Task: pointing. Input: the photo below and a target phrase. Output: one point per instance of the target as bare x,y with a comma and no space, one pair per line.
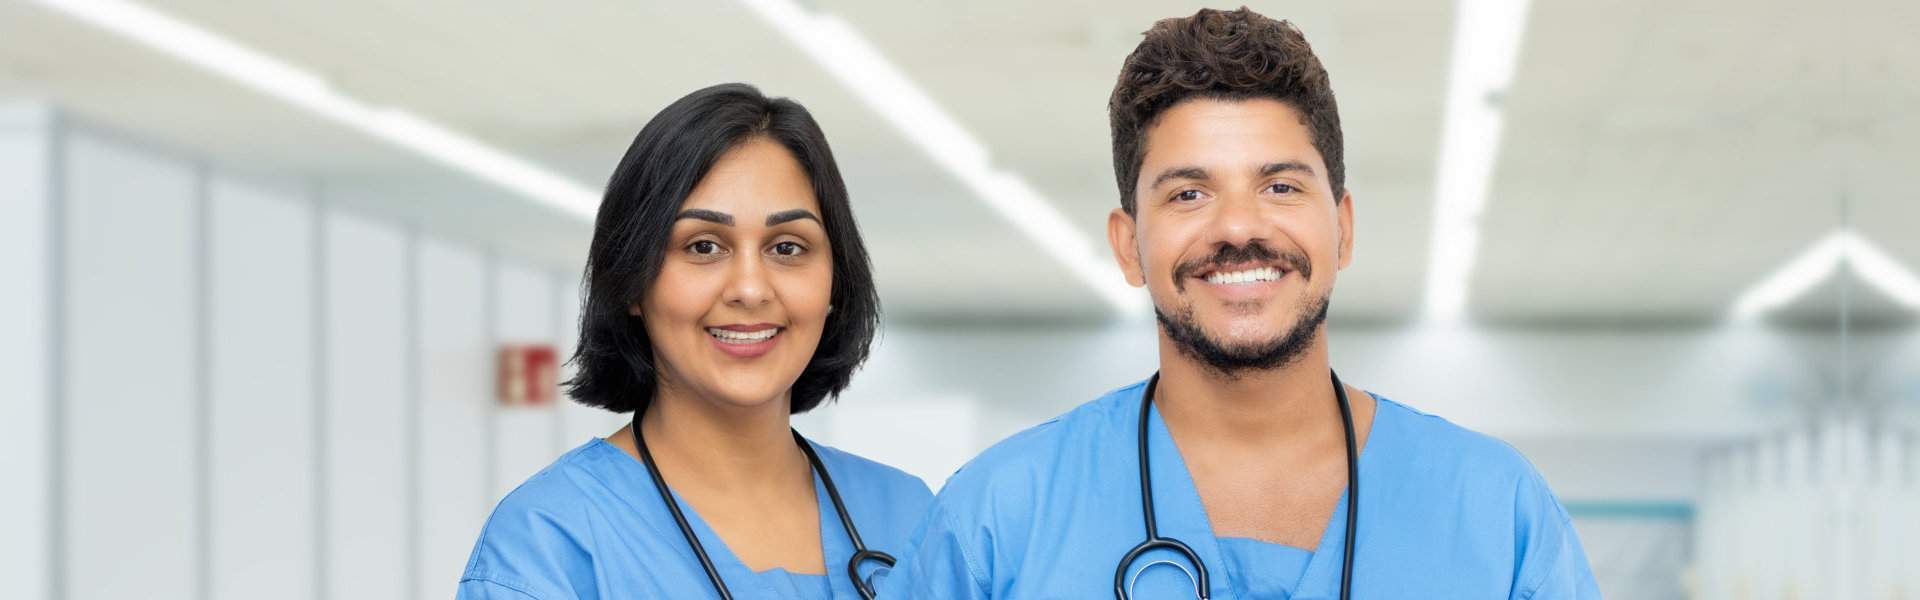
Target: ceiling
1658,158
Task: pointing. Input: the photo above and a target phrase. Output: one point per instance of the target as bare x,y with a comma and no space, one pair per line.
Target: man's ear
1346,228
1126,249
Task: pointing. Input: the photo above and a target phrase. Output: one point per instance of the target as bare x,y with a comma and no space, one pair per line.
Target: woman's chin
752,399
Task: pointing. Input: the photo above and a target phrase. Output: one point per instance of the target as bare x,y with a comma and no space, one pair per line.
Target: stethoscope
1122,590
860,552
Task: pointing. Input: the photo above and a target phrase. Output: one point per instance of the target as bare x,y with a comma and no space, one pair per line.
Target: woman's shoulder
561,499
560,485
855,471
546,520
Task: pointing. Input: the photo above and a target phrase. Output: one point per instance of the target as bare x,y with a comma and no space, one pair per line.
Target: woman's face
744,290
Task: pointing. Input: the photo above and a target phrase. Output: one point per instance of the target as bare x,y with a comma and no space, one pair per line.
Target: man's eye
1187,195
1280,188
788,249
703,247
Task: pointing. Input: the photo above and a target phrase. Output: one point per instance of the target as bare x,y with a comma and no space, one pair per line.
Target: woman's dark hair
1223,55
669,157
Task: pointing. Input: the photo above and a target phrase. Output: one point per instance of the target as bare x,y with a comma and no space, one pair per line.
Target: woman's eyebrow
706,215
791,215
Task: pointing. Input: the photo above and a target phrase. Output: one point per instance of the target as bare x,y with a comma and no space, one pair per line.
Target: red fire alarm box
529,374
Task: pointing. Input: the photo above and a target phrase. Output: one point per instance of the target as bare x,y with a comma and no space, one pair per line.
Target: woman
727,289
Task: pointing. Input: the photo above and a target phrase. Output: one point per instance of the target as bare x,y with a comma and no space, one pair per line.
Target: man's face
1236,233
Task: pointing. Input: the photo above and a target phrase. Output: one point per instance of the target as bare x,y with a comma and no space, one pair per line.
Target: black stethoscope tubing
860,551
1154,540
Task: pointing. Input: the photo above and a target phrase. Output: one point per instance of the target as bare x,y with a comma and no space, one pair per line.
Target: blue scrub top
592,525
1049,512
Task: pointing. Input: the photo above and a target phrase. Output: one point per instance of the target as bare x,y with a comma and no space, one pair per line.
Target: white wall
523,311
132,411
28,350
455,411
228,389
261,443
367,394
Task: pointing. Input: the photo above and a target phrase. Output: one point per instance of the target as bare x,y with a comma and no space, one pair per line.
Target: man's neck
721,447
1252,408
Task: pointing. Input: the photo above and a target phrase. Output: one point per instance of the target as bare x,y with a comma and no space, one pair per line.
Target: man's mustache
1255,251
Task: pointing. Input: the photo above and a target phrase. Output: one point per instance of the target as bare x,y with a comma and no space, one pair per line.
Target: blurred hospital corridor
290,287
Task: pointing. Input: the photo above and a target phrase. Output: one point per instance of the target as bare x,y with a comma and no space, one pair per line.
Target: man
1234,216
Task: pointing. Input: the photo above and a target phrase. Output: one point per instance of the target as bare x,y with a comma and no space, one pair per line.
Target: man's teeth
1247,276
742,337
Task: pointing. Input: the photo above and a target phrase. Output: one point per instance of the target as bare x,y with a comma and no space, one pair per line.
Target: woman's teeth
1247,276
742,337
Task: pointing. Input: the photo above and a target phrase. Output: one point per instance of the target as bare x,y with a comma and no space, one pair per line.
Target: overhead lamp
866,73
1822,260
271,76
1486,44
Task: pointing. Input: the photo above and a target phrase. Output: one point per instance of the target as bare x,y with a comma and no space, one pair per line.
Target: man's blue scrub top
1049,512
591,525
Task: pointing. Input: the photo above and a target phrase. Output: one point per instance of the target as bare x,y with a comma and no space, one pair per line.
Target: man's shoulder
1463,459
1435,438
1031,453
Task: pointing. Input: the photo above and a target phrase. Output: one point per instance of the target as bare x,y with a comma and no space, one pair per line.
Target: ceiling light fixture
840,49
1486,44
1821,261
276,78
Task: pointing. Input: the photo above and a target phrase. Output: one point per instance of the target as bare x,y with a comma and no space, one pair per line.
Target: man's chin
1248,350
1248,331
1232,344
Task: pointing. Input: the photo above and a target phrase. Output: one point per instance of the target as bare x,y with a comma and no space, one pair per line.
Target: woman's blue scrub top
592,525
1049,513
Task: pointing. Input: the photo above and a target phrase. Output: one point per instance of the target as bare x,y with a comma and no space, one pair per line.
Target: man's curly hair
1223,55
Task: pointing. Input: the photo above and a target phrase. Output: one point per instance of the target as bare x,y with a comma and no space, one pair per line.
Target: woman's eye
703,247
788,249
1187,195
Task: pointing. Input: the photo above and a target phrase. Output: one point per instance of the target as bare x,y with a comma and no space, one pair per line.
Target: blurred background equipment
529,374
262,259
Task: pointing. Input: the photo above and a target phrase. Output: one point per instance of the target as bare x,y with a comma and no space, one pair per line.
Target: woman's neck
711,445
740,470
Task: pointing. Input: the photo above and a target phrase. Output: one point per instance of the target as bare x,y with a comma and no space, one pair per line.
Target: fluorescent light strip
865,72
1883,272
1793,279
1821,261
1486,44
301,88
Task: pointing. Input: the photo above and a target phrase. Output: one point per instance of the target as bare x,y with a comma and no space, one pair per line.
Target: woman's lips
744,341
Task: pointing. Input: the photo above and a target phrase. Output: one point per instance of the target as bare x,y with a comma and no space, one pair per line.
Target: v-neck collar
1181,515
737,575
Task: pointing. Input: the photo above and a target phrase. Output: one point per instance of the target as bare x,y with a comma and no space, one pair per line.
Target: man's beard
1232,361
